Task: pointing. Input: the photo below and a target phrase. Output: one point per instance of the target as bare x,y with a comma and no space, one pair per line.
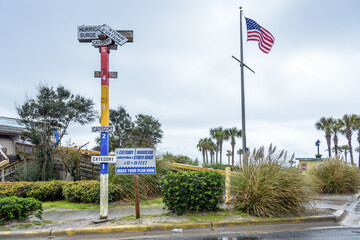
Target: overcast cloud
179,68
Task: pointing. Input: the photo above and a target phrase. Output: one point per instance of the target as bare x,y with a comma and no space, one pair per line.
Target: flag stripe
257,33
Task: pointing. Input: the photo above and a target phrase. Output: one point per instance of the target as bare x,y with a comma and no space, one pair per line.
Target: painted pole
104,144
227,185
242,92
137,201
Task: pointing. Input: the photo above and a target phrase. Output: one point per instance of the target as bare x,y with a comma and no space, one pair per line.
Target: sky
179,68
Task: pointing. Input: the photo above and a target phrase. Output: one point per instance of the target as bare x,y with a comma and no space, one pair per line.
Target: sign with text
114,35
97,74
88,33
103,159
135,161
99,43
102,129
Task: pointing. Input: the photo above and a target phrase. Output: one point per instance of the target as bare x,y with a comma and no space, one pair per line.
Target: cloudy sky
179,68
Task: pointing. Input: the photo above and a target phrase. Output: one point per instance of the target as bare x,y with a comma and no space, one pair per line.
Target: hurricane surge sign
135,161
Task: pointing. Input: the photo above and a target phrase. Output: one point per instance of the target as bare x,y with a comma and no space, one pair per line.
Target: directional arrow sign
103,159
114,35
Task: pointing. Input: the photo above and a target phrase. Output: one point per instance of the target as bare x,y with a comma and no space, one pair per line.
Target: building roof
10,126
311,159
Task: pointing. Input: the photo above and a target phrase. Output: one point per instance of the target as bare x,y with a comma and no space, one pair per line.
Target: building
10,133
306,164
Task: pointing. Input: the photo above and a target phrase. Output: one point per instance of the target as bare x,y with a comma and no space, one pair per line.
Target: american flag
260,34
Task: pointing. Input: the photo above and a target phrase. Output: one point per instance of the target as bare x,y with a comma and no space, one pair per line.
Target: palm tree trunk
328,141
336,145
203,153
217,152
232,154
220,153
348,136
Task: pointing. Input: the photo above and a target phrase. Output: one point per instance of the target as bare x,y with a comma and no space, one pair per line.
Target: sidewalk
87,221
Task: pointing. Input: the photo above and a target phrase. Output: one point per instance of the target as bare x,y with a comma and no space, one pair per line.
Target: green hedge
192,191
88,192
47,191
80,191
19,189
19,208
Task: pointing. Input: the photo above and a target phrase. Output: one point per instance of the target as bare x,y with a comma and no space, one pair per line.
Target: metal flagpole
242,92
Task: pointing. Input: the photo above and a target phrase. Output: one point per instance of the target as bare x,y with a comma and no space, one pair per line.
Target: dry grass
267,187
336,177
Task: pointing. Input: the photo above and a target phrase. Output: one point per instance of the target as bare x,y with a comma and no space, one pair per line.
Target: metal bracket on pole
243,64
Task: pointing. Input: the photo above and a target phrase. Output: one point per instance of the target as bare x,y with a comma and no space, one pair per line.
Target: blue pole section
104,151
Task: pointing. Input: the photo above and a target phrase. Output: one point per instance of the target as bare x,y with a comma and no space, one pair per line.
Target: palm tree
344,148
240,151
357,127
211,147
325,125
232,133
201,147
348,126
228,154
335,129
219,135
208,145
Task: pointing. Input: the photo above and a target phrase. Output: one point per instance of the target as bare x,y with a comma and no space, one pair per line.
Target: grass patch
70,205
157,202
214,216
24,225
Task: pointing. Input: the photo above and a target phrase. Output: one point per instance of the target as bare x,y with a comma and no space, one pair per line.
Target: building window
303,167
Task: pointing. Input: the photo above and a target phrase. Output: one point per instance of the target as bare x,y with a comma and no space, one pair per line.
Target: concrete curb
340,215
188,225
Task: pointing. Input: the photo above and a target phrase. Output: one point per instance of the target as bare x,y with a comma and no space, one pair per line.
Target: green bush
46,191
43,191
19,189
19,208
336,177
88,192
192,191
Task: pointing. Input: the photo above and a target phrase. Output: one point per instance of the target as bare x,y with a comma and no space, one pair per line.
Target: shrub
192,191
266,187
19,208
46,191
19,189
336,176
88,192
